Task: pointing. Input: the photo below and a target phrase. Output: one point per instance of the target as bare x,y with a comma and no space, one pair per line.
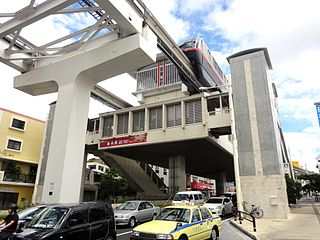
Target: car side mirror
179,224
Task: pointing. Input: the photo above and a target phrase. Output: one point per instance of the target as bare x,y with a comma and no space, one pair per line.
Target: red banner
200,186
110,142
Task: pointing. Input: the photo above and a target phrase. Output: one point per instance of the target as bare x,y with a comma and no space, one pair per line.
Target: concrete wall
260,160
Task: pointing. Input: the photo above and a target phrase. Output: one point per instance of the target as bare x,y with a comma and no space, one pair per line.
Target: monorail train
207,69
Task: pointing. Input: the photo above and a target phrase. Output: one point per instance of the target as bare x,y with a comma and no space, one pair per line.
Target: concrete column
177,174
220,183
259,153
84,166
68,138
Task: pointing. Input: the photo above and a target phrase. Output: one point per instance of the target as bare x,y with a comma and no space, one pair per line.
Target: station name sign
111,142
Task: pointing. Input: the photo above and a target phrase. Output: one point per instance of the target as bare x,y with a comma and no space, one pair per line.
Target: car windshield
29,212
174,214
49,218
214,200
128,206
181,197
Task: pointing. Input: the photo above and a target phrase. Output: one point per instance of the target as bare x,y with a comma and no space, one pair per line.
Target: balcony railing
18,177
157,77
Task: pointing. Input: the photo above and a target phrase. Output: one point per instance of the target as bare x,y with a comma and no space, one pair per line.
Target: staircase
140,176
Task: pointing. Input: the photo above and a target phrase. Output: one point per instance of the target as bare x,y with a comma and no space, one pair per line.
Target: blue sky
228,26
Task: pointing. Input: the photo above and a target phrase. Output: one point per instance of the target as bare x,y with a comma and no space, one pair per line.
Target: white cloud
164,12
290,30
298,142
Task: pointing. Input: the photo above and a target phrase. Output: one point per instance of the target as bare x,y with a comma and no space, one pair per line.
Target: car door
142,212
208,222
196,227
76,227
99,224
149,211
227,205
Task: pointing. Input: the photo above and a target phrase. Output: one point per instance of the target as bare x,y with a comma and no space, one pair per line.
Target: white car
194,197
219,205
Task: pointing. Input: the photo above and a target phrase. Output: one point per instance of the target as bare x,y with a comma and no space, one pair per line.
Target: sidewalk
303,223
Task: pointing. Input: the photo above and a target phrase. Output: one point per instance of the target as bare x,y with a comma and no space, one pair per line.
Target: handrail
244,216
152,174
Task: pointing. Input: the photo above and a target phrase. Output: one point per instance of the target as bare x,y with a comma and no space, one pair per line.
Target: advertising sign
111,142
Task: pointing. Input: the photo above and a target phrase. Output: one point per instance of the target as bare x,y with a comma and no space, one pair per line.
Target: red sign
201,186
111,142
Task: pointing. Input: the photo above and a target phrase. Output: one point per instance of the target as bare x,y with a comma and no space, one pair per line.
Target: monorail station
191,119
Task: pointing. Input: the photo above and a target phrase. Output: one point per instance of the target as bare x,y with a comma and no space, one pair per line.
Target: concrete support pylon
177,174
257,132
74,77
67,141
221,181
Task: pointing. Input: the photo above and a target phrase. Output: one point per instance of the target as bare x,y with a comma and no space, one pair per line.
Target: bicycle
257,212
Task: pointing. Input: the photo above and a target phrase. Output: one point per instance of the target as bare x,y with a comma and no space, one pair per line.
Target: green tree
293,190
313,181
112,185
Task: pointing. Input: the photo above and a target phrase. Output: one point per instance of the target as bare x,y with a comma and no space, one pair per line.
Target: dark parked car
82,221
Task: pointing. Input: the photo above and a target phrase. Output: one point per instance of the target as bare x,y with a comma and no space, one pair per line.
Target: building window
155,118
138,121
14,145
18,124
123,123
165,171
157,169
7,198
101,168
174,115
107,126
92,167
193,112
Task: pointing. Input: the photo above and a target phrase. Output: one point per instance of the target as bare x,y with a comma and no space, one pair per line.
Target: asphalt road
228,232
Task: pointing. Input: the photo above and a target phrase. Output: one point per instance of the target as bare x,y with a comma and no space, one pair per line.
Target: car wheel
183,238
223,212
132,222
214,235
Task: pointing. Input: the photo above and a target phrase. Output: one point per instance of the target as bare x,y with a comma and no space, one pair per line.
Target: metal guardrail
19,178
148,78
240,215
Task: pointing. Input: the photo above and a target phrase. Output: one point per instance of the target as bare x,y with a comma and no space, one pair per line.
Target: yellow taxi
185,222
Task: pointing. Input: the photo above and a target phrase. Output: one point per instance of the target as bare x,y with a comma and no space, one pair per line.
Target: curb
244,230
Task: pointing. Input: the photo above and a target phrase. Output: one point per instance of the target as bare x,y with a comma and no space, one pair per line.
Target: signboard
201,186
318,111
286,168
111,142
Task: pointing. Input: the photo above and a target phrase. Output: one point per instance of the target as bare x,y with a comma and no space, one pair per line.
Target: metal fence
157,77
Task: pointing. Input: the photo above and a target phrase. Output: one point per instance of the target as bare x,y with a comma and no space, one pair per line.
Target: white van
193,197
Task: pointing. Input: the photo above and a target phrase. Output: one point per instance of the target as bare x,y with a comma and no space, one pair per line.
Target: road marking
125,233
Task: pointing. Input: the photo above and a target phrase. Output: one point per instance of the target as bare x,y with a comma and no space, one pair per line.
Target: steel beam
104,96
26,16
18,65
